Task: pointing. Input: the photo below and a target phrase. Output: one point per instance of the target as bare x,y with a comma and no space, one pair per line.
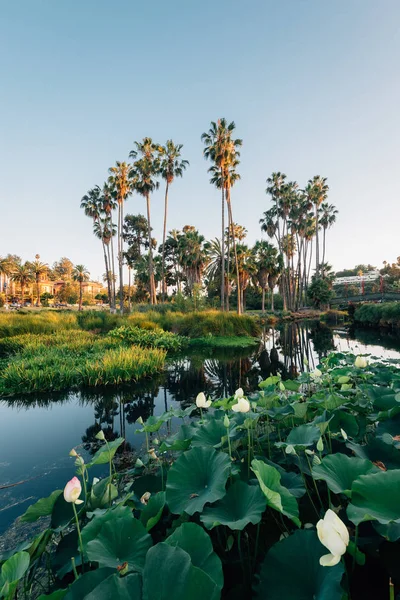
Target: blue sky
312,86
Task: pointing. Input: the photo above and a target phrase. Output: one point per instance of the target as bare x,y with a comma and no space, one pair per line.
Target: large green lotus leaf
121,539
343,420
197,477
291,571
169,574
146,483
278,497
293,482
209,434
106,452
391,427
87,583
391,531
41,508
121,588
67,549
91,530
376,497
14,569
304,435
62,513
57,595
377,450
242,504
382,398
197,543
152,511
339,471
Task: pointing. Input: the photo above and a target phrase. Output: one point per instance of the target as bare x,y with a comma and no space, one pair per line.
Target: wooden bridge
378,297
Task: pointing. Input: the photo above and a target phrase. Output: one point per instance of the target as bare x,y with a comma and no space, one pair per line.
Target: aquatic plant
234,500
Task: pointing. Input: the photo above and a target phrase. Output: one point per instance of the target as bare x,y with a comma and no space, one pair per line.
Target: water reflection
37,432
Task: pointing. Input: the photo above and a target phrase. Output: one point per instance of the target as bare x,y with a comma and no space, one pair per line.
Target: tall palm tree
80,274
143,175
317,193
5,269
108,206
23,275
38,268
328,214
121,185
218,148
171,166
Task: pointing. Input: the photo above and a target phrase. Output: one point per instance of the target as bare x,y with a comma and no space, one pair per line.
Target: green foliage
245,490
319,292
156,338
384,315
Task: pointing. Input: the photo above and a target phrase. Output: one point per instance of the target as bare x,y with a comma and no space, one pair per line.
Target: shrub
156,338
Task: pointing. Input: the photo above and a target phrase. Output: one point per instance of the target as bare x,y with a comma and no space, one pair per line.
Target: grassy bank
378,315
196,324
70,359
223,342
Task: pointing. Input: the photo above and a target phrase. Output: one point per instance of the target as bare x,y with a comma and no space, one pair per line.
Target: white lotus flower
201,401
72,491
316,374
361,362
242,406
239,394
333,534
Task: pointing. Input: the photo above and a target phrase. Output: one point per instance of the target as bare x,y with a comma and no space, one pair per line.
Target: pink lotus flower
72,491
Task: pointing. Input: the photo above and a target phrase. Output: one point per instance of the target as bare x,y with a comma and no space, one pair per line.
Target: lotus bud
333,534
156,441
152,454
309,452
226,421
72,491
316,460
242,406
201,401
320,445
100,436
95,480
316,374
139,464
79,461
361,362
344,434
239,393
140,421
281,386
145,498
290,449
73,453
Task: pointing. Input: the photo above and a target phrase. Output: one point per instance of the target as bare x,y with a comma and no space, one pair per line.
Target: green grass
153,338
42,363
223,342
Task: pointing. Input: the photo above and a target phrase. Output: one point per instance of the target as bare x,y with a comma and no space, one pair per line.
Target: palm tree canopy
80,273
146,167
119,181
171,164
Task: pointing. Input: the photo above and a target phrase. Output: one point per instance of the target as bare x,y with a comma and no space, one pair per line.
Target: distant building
357,279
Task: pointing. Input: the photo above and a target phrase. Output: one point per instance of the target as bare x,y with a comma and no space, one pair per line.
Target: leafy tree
23,275
320,291
266,261
38,268
63,268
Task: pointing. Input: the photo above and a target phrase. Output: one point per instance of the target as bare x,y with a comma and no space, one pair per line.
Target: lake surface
37,433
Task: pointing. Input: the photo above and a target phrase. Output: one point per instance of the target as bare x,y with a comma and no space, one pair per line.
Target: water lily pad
376,497
209,434
339,471
120,539
197,543
242,504
303,436
106,452
152,511
291,571
278,497
41,508
169,573
197,477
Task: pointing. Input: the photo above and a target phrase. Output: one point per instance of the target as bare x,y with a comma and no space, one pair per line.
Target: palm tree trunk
113,299
22,293
316,242
153,299
323,251
129,289
120,258
107,271
272,300
230,224
164,238
227,271
263,301
37,290
80,295
222,245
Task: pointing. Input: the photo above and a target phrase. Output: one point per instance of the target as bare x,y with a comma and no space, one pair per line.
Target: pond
37,433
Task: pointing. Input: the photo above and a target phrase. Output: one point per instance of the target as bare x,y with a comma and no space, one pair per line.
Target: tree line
296,223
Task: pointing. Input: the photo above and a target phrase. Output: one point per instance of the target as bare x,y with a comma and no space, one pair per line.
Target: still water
37,433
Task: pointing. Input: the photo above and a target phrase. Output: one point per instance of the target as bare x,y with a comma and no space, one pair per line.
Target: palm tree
171,166
219,146
328,214
317,193
38,268
246,268
23,275
121,186
80,274
266,256
144,172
